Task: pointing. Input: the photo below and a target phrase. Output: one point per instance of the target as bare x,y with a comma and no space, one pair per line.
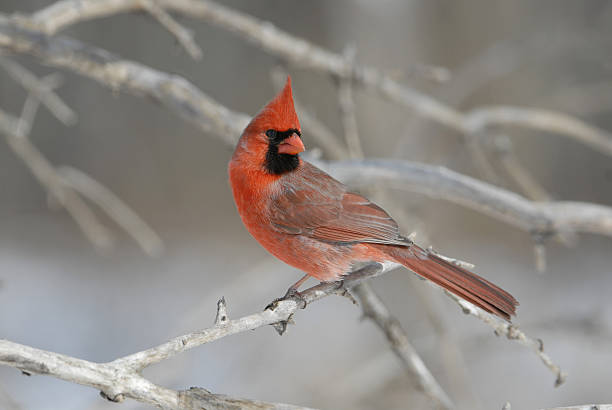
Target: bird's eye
271,134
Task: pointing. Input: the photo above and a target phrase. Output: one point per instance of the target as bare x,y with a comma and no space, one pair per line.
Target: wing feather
314,204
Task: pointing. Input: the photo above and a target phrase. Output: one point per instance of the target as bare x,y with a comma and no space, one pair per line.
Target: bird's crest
279,114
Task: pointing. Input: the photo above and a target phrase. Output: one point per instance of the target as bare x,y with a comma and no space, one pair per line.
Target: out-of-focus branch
264,35
39,89
513,333
172,91
123,215
543,120
67,12
183,35
63,184
192,103
17,138
525,181
375,309
347,108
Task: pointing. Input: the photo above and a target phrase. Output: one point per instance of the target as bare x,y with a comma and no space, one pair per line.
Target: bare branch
67,12
183,35
347,108
440,182
173,91
281,311
519,174
40,90
513,333
543,120
117,383
375,309
147,238
46,175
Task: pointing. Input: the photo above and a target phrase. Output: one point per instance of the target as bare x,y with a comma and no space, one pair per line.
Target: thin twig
173,91
40,90
375,309
46,175
183,35
513,333
519,174
347,108
543,120
124,216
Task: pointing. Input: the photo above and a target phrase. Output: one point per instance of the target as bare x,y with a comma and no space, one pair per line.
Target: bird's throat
278,164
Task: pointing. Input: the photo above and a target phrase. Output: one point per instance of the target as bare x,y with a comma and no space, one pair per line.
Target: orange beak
291,145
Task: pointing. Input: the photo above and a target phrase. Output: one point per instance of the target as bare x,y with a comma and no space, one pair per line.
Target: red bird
313,222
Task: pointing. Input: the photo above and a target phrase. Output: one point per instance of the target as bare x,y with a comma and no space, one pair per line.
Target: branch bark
440,182
374,308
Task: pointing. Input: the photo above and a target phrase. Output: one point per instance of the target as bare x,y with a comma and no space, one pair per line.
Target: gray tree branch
309,56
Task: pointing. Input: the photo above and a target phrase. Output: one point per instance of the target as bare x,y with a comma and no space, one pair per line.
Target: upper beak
291,145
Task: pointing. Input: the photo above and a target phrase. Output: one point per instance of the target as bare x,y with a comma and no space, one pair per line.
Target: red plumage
311,221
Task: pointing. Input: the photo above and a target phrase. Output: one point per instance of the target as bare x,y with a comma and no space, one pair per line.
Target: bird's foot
292,294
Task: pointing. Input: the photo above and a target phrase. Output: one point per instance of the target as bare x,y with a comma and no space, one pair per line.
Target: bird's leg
293,289
292,293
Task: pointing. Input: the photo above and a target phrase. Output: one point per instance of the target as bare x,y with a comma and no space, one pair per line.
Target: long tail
463,283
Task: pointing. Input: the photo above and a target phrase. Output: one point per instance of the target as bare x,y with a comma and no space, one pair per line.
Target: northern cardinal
313,222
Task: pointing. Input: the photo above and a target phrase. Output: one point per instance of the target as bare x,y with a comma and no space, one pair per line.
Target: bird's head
274,136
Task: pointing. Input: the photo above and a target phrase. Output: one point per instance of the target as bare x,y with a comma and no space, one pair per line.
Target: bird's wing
313,204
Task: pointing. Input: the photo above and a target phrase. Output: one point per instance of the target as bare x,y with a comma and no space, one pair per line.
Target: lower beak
291,145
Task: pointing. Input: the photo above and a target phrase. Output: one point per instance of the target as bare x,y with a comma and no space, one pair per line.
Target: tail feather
459,281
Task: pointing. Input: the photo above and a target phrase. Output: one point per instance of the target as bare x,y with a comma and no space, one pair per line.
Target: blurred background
58,293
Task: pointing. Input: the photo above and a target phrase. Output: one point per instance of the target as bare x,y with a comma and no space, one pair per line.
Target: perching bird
313,222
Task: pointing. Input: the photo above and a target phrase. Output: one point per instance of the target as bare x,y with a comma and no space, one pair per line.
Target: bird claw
281,327
292,294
